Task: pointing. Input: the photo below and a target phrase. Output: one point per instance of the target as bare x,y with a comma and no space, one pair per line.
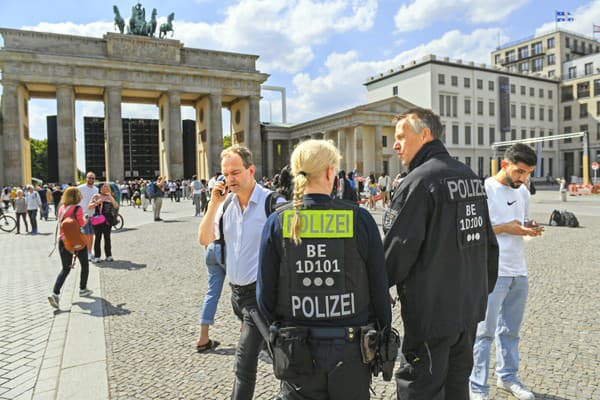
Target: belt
350,333
243,289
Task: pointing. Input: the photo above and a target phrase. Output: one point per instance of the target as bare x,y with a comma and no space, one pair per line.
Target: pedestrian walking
70,209
197,188
34,203
348,286
21,211
442,255
159,192
105,208
56,196
508,203
88,190
6,197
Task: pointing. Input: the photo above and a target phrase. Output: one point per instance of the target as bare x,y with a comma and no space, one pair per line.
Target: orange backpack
73,240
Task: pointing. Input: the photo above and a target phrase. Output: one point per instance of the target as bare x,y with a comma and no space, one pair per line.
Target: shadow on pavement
549,397
124,230
224,351
121,265
171,221
107,308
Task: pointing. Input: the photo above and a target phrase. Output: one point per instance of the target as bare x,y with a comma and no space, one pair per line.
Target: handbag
98,219
215,253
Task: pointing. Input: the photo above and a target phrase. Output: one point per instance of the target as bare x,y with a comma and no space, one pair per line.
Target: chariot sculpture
139,26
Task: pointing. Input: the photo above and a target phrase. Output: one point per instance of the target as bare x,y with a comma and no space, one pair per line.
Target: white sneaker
53,299
478,396
517,389
90,256
109,258
85,292
96,260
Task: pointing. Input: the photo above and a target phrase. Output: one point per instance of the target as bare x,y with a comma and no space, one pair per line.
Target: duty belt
243,289
350,333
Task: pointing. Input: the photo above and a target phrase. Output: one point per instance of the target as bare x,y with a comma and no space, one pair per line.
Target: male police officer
442,255
243,221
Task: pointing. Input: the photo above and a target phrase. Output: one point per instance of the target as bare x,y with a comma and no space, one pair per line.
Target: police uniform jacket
369,249
440,249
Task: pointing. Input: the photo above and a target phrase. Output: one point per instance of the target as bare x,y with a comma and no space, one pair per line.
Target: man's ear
252,169
426,135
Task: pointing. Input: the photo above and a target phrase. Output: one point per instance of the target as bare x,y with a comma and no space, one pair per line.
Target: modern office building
479,105
544,53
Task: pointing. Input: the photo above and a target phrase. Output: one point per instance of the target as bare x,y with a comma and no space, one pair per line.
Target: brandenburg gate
122,68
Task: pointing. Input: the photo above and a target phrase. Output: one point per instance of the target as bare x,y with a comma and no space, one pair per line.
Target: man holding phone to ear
508,203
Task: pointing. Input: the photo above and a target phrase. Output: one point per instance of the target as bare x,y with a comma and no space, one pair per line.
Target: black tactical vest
324,277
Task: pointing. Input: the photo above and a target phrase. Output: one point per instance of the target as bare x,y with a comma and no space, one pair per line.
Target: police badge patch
388,218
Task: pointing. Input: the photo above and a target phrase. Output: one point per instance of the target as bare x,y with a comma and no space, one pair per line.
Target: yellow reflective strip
320,223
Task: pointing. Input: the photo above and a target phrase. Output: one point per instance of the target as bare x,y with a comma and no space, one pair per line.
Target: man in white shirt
88,190
243,223
384,183
508,203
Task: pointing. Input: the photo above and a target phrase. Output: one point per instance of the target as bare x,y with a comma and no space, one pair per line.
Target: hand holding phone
221,178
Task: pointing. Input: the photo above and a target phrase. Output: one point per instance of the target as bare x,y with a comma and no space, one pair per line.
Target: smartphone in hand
221,178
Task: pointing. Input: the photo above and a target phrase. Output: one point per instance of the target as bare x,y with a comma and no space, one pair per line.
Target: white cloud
423,13
585,16
341,86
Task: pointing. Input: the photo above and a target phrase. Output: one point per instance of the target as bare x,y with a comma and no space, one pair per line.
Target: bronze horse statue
119,22
166,27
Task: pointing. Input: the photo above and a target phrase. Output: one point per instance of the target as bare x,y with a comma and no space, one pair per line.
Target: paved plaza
134,338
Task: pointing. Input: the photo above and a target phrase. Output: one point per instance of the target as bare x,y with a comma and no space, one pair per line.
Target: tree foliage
39,158
226,141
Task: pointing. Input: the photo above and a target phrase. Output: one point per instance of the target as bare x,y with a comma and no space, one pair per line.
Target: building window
568,130
512,88
395,91
596,87
479,83
531,91
513,111
549,94
583,128
523,112
523,52
524,66
532,133
497,59
550,114
551,59
597,108
541,92
454,80
541,114
492,135
442,105
572,72
523,134
583,110
538,64
454,134
567,42
468,161
467,106
502,136
454,106
551,73
480,166
510,56
583,90
536,48
513,134
532,112
441,79
479,107
491,86
550,43
467,82
383,141
480,135
467,134
566,93
492,108
550,143
523,90
567,113
542,135
588,68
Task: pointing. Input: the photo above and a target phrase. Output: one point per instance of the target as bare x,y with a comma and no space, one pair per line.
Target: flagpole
555,20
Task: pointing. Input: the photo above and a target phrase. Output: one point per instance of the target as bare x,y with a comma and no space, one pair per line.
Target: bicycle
7,223
120,222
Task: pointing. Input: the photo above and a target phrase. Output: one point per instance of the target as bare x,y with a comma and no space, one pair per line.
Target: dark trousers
33,218
102,230
339,374
24,216
66,259
436,369
249,344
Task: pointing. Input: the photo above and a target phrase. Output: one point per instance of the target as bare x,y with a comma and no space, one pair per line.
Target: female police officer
321,279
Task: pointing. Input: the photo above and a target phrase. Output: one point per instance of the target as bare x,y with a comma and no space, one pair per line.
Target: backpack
563,218
349,193
152,190
73,240
270,207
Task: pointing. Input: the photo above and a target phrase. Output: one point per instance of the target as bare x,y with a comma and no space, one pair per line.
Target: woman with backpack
105,208
69,214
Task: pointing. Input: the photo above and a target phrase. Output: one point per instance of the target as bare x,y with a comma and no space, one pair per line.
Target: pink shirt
69,211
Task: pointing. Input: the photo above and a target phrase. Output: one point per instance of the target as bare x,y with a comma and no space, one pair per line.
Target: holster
369,343
292,356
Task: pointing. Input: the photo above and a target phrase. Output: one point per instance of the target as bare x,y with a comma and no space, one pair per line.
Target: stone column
175,136
13,155
163,135
114,155
358,151
341,145
378,150
269,167
65,131
253,135
350,149
214,137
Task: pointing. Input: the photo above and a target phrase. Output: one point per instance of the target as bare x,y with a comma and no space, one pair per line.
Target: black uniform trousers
436,369
339,374
249,344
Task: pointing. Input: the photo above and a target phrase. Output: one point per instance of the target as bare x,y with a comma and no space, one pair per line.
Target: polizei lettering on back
320,223
323,306
461,189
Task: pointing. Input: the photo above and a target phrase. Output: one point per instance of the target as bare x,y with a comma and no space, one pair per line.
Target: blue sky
320,51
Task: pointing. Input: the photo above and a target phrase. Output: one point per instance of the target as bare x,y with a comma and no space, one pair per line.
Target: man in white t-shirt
384,183
88,190
508,203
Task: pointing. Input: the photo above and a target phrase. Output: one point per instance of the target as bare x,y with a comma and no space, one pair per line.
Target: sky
322,52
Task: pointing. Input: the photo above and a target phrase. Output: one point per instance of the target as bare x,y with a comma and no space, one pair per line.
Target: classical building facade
478,105
124,68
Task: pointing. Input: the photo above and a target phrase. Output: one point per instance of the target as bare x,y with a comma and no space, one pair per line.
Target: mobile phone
221,178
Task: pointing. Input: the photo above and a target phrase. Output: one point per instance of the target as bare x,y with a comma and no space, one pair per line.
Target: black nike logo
510,203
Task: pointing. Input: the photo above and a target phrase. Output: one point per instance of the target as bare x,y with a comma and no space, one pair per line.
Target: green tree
226,141
39,158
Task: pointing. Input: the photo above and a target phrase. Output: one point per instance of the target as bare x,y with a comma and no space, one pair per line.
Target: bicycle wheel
120,222
7,223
